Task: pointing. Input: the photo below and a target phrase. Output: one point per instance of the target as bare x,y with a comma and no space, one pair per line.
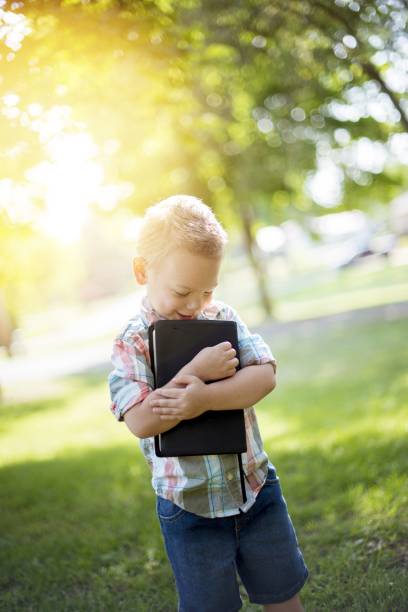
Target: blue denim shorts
206,553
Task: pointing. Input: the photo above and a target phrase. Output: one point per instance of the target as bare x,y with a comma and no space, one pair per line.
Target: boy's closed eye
188,293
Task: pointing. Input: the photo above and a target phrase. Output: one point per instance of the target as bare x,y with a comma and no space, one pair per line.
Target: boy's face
180,285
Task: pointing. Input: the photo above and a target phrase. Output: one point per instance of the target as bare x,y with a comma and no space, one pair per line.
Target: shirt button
230,476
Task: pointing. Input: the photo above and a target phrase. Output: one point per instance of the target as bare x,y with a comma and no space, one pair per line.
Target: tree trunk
257,265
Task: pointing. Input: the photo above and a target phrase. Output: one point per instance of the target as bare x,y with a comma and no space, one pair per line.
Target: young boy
209,533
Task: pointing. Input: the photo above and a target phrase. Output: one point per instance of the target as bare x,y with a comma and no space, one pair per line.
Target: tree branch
372,72
367,66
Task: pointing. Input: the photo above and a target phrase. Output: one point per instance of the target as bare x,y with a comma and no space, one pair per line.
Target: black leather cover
214,432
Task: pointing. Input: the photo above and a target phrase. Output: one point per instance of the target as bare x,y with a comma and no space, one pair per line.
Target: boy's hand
216,362
181,403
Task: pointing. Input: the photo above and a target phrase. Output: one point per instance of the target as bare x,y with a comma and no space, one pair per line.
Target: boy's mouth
185,316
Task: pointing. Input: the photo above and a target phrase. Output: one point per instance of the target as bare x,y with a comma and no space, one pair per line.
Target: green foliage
235,104
293,62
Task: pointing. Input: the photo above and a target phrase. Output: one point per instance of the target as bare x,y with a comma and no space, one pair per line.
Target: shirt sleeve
131,380
253,349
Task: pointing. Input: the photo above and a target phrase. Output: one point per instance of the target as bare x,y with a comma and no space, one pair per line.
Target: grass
77,509
337,431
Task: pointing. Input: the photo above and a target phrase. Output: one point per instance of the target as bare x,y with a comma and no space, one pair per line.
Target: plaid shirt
208,485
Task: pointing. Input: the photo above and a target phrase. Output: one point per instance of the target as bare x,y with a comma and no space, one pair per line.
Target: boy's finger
170,392
226,344
164,402
163,410
232,361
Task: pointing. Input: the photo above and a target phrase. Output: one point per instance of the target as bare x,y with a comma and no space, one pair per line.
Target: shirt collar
149,313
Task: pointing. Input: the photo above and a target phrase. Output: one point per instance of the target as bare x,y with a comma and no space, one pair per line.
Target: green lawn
78,530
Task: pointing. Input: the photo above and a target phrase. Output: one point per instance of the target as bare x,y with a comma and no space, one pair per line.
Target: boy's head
179,250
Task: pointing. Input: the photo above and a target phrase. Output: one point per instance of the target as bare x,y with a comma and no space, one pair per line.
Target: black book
172,344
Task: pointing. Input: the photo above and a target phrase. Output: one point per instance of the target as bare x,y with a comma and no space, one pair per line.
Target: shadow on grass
80,532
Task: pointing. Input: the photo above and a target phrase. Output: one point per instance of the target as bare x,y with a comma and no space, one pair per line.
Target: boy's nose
193,305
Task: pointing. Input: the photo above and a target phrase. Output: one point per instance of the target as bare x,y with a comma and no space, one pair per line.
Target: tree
286,84
236,104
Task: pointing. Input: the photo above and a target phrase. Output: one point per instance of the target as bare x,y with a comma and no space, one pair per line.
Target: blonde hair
179,221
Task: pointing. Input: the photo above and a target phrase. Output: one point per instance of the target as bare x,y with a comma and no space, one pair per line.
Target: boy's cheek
165,306
171,305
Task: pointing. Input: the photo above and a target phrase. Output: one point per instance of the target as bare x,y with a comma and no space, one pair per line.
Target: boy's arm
247,387
143,422
255,379
162,409
242,390
252,382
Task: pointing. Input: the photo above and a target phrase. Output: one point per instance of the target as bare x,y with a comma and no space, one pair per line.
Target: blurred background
291,121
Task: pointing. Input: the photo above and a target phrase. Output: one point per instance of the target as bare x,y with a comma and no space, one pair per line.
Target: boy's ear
139,269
